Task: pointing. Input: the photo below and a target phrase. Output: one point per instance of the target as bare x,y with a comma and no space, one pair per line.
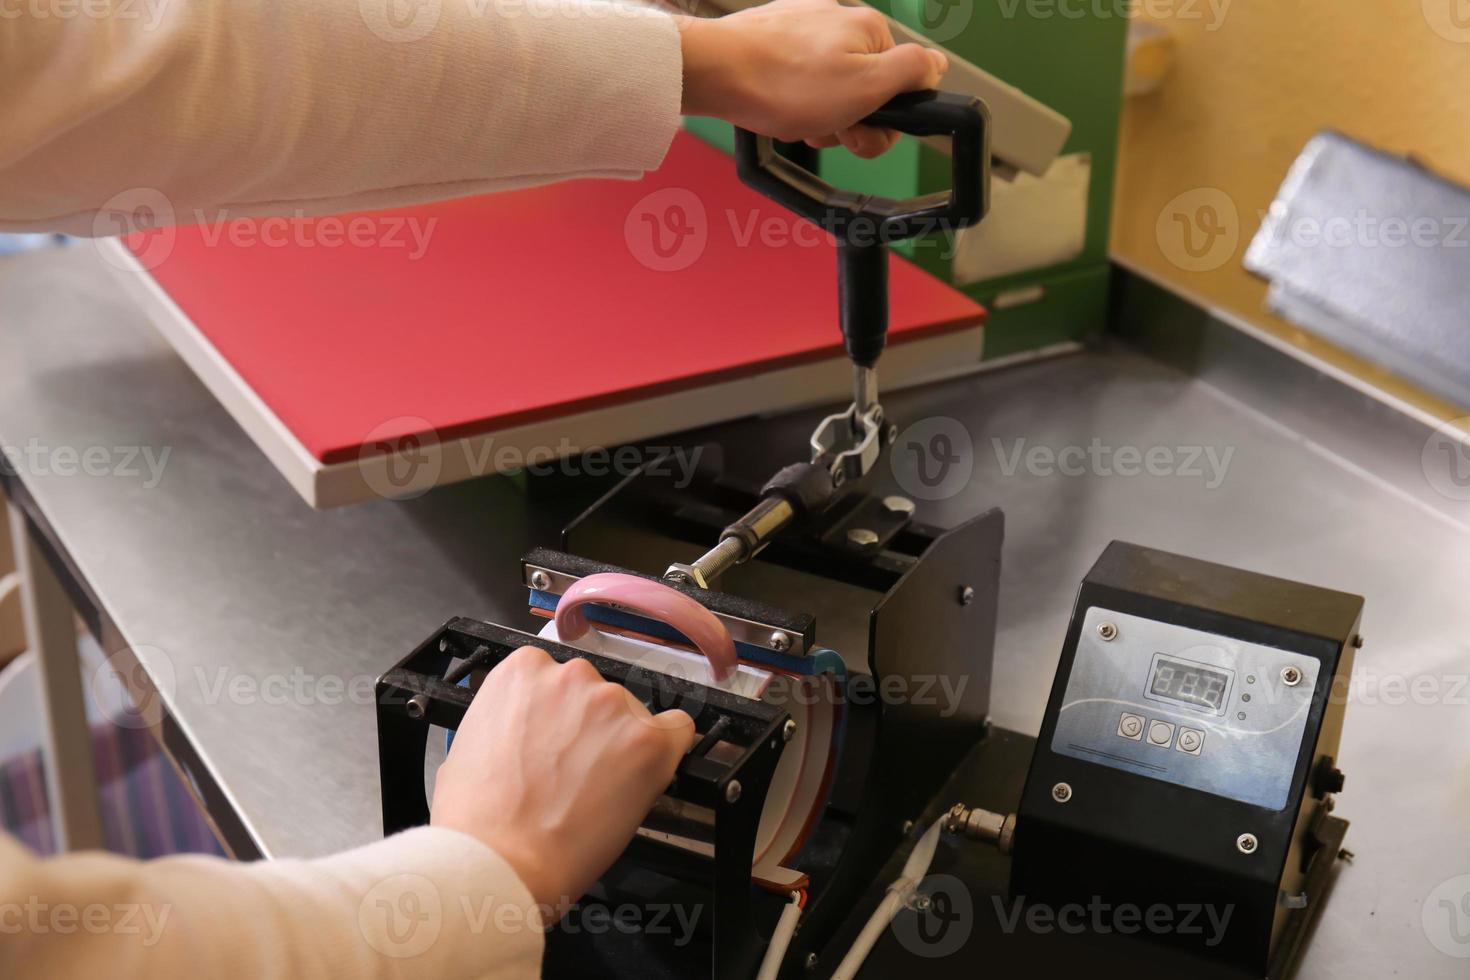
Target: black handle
852,216
863,223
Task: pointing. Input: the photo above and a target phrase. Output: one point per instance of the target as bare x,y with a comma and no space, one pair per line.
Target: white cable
780,939
898,893
893,900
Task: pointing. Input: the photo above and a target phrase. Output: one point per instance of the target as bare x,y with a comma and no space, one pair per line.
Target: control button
1190,740
1131,726
1160,733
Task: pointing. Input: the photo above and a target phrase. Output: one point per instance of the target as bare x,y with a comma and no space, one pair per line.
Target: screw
788,730
893,433
1357,641
540,580
862,538
908,826
811,961
1246,843
417,707
899,506
967,595
443,644
1291,676
780,642
1061,792
732,791
1107,631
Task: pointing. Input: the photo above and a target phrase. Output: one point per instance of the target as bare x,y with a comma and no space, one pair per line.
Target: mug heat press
1187,750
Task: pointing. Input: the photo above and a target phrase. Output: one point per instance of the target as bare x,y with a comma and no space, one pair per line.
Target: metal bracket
852,442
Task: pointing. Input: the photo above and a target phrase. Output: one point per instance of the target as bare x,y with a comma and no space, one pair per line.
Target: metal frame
12,629
415,695
66,740
215,803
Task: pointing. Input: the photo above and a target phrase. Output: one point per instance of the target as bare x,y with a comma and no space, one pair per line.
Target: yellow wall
1252,81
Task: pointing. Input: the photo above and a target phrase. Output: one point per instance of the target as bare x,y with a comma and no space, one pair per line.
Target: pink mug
656,601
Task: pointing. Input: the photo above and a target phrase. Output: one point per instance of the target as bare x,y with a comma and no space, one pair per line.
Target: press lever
850,442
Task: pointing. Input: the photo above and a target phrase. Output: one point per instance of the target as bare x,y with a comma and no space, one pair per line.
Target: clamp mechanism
849,443
846,446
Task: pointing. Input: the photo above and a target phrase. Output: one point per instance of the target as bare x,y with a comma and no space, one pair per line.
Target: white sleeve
311,106
425,903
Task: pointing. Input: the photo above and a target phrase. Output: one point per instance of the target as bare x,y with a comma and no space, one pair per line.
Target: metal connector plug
982,825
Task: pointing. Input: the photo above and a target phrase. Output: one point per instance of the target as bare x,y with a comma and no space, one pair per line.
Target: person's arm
550,774
426,903
227,109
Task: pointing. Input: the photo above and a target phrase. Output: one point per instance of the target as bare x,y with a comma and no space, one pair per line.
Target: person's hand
802,70
554,768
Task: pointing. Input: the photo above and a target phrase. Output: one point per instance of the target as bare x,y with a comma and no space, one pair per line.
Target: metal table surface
263,623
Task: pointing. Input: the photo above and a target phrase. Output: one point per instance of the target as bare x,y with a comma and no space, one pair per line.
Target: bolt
1061,792
780,642
788,730
1107,631
732,791
862,538
811,961
417,707
908,826
1357,641
540,580
1246,843
1291,676
685,575
967,595
443,644
892,433
899,506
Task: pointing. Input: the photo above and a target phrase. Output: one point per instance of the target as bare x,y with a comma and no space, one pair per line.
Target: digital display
1187,683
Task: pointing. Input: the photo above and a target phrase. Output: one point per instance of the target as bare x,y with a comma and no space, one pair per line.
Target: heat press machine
804,774
823,753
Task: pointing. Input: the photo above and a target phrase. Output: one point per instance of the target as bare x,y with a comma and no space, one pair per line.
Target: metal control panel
1188,707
